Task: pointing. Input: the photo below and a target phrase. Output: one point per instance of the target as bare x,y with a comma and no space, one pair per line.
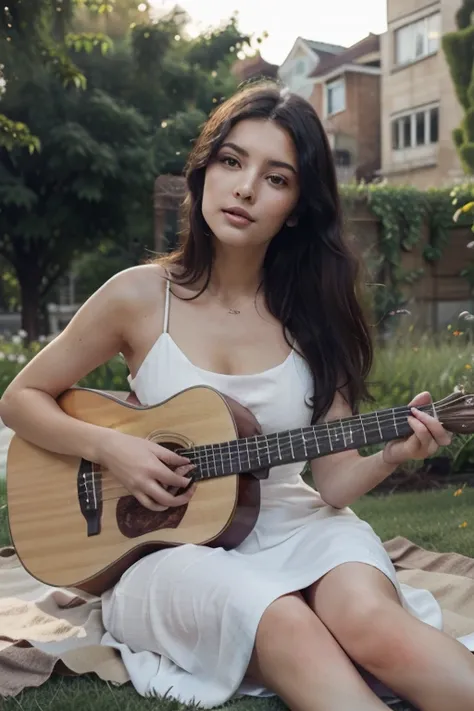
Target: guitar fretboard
299,445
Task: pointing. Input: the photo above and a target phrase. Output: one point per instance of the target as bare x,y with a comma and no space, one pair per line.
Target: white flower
11,357
2,355
21,358
22,333
42,339
16,340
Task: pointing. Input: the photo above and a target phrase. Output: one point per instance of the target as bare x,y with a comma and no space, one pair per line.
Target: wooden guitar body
75,527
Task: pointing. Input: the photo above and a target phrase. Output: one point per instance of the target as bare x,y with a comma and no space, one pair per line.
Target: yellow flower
463,524
468,367
468,207
458,492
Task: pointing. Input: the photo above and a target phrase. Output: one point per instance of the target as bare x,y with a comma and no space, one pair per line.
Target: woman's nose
245,191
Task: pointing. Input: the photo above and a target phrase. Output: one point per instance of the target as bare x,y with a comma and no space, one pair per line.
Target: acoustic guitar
74,525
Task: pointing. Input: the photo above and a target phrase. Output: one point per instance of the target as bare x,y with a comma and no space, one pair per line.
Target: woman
260,303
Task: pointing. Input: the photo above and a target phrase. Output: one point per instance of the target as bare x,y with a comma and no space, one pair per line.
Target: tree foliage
459,50
100,121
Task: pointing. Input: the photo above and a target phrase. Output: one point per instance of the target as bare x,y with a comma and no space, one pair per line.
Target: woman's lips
237,220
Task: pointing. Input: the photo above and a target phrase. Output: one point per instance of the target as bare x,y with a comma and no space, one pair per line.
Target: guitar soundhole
135,520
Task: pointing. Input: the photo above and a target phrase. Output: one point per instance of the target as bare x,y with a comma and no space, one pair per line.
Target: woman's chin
233,238
237,239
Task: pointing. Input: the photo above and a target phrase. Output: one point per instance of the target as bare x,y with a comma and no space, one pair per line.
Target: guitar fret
363,428
268,450
278,446
395,422
329,436
258,452
343,433
248,451
214,458
351,435
316,441
304,443
231,466
378,425
291,448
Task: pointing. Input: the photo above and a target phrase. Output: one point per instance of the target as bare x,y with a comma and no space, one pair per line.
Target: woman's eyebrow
244,153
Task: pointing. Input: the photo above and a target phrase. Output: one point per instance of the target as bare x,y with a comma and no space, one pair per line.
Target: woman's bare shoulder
137,288
102,327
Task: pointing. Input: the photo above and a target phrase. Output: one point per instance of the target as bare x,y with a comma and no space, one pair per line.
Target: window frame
399,123
430,45
340,81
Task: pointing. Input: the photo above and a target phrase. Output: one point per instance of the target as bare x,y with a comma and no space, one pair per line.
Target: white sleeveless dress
185,619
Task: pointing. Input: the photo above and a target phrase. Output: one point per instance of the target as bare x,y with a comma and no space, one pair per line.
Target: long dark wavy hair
310,275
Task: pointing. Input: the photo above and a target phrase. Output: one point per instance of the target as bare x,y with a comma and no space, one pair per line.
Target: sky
341,22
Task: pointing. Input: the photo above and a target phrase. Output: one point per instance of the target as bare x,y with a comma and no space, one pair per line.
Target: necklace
230,309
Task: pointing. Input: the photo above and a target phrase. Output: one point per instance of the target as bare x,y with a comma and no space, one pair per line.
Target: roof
330,62
324,47
250,67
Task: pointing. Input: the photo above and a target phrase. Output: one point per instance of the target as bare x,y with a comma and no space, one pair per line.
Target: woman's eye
277,180
231,162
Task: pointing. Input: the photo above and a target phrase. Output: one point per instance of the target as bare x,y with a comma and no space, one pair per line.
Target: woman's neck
236,274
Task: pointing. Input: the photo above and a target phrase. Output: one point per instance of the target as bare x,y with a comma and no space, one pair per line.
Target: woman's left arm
342,478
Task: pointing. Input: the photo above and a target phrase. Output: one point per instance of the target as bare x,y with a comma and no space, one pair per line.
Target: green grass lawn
431,519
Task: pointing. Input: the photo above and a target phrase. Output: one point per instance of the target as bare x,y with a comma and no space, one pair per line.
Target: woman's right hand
146,469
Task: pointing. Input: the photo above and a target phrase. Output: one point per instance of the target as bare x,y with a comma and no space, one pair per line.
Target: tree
459,50
93,169
102,142
32,34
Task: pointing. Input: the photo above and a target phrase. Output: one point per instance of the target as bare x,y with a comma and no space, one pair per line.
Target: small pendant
234,311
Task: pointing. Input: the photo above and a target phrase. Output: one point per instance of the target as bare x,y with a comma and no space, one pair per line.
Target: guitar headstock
456,412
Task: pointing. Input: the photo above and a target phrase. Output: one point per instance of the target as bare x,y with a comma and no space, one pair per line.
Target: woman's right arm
92,337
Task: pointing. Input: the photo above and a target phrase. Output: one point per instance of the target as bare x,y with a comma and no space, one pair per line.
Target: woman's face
251,188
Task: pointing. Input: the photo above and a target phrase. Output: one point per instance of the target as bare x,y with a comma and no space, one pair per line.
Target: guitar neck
262,451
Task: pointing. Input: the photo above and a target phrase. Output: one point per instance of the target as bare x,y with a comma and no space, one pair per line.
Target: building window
417,128
335,97
342,157
417,40
300,66
434,125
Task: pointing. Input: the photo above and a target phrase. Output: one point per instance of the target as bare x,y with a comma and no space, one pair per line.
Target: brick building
343,84
419,105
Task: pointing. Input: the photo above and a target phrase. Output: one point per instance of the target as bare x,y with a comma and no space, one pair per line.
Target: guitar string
394,416
220,449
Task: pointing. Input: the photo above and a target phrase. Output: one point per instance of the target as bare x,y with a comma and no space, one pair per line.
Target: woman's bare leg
296,657
361,608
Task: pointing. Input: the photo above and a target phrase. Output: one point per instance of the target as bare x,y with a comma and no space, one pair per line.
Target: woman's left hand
428,435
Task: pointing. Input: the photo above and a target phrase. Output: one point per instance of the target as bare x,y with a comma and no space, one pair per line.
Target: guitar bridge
89,492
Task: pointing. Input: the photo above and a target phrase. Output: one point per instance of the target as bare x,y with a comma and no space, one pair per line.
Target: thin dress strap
167,307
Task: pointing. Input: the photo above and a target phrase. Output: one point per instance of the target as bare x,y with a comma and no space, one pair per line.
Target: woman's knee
374,632
286,617
290,630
